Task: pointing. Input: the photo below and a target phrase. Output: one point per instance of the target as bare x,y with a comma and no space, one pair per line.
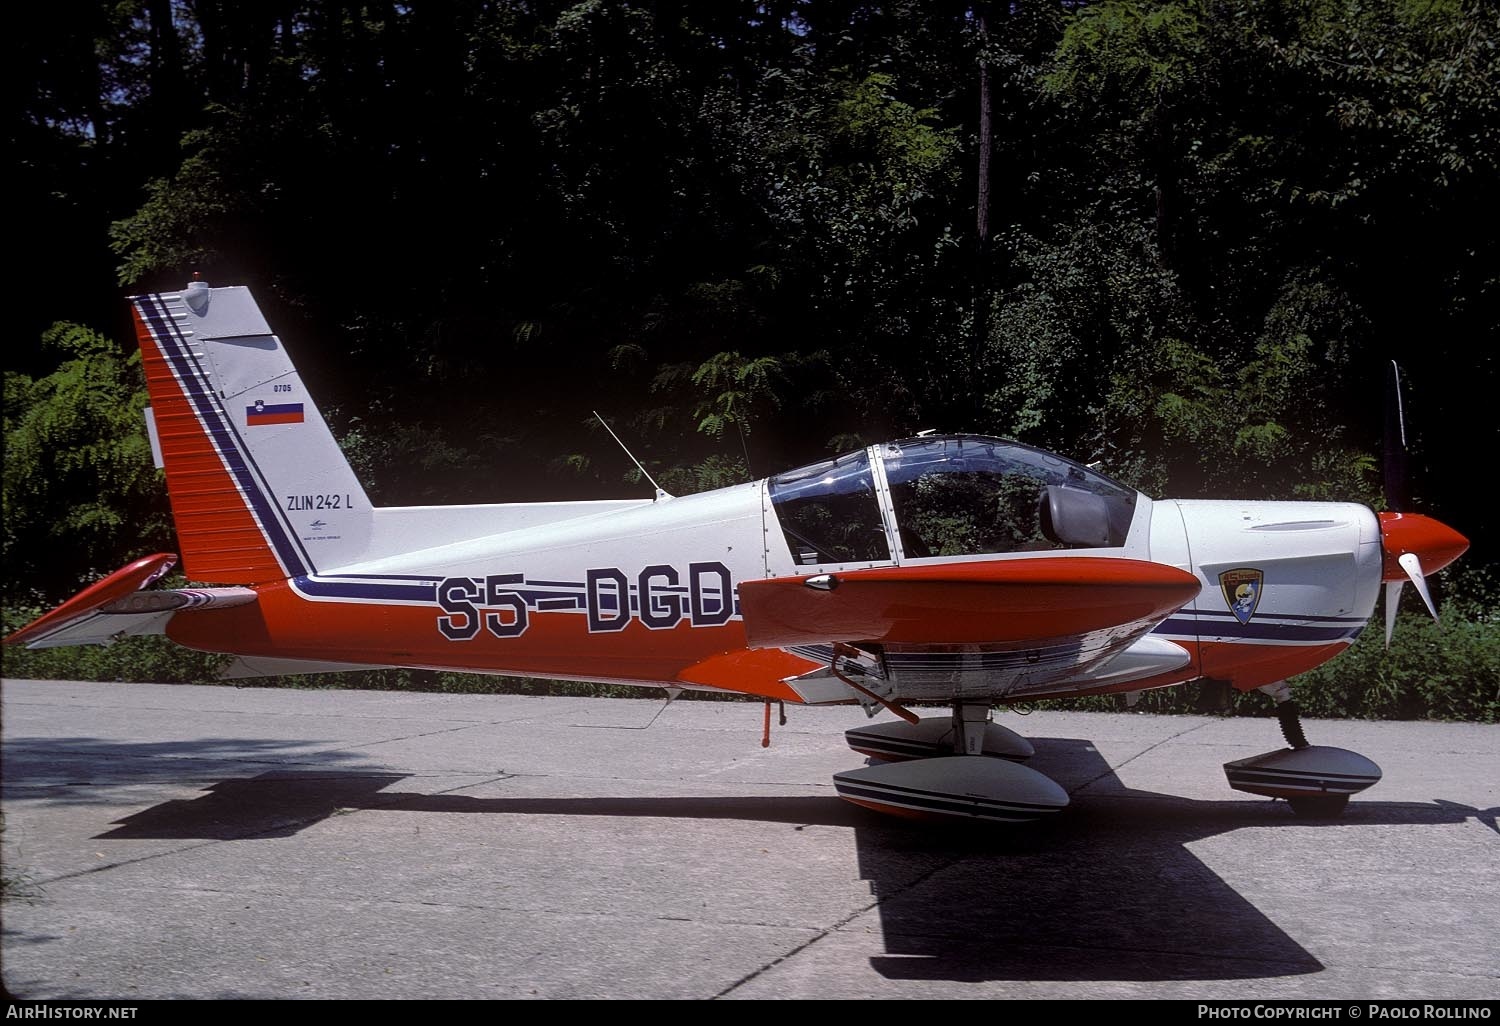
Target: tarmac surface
207,842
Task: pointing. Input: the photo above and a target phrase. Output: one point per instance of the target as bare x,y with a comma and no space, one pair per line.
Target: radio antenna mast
661,493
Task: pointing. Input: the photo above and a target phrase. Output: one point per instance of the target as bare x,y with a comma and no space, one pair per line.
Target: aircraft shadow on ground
94,771
1108,890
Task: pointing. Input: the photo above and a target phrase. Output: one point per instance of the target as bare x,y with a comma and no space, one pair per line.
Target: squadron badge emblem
1241,588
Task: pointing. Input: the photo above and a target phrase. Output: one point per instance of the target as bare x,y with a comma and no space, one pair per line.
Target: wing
985,602
985,628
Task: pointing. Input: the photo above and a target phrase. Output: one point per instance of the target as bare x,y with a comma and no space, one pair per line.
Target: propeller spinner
1415,546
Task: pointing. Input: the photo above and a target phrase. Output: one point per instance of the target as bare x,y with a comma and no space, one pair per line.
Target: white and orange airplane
955,570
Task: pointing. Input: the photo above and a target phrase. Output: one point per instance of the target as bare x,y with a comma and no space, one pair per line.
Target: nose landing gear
1315,780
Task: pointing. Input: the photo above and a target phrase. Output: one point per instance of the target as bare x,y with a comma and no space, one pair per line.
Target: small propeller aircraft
955,570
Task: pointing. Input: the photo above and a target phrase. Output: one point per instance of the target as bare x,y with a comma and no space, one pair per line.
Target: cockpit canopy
948,495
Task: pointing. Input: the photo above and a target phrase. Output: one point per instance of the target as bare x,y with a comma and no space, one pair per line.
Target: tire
1323,806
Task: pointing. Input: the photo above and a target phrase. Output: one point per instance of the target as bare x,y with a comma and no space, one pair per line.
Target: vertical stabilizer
260,490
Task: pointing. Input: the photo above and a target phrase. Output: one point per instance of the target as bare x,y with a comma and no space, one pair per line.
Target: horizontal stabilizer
118,607
116,586
102,629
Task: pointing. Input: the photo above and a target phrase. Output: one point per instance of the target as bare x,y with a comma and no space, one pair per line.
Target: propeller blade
1394,446
1413,567
1392,600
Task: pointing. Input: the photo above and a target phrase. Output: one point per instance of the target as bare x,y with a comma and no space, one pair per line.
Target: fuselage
647,592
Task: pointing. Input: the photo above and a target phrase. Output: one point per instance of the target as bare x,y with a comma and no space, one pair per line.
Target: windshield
828,512
965,495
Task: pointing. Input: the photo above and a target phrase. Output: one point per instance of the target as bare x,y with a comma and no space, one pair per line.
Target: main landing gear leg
970,722
941,774
1316,781
969,731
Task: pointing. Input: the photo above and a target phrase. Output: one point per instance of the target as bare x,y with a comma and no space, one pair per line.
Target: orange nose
1434,542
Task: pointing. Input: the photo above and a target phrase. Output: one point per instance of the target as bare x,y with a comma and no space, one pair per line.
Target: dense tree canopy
748,233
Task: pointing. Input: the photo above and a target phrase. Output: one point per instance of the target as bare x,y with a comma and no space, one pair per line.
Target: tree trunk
165,77
986,144
981,290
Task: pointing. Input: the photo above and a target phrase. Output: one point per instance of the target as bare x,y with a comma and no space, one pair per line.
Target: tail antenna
661,493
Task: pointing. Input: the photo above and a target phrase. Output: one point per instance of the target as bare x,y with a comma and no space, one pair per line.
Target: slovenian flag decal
263,413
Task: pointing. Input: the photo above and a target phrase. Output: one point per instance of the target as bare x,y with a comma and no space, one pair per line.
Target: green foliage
1089,306
1411,80
715,471
1139,48
149,660
1445,671
80,491
898,153
173,228
416,462
733,385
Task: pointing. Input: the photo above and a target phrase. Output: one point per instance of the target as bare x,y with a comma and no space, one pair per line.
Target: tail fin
259,488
